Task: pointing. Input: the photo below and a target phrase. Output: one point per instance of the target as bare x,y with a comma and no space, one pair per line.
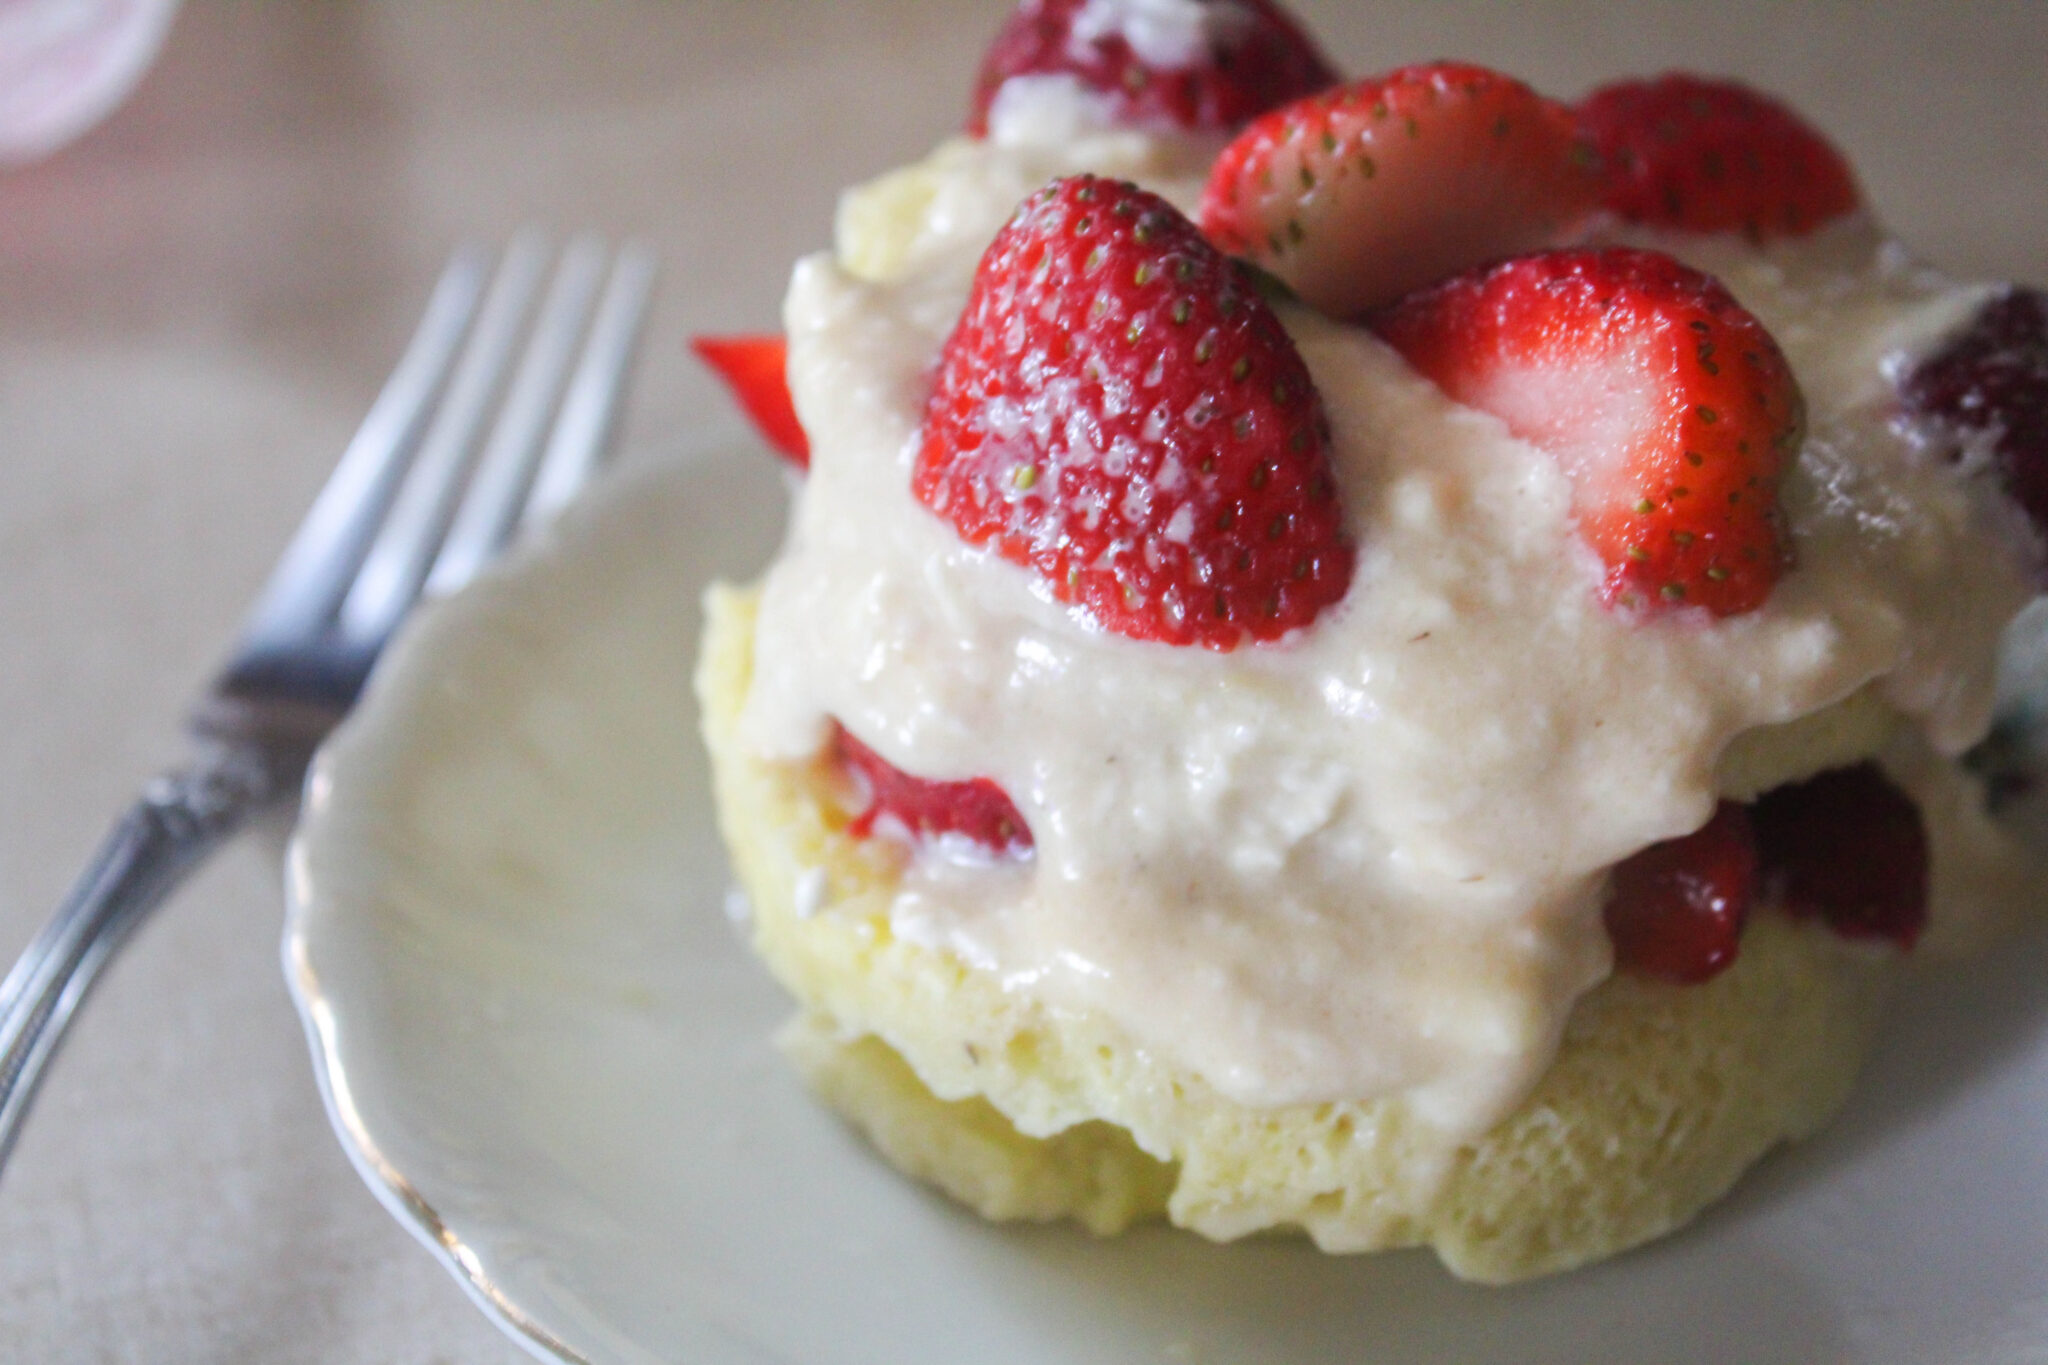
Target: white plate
545,1048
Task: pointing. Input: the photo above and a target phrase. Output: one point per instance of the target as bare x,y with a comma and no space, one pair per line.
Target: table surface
198,301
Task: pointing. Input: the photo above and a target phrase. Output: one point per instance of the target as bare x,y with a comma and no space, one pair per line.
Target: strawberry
1670,408
1157,64
1119,410
1847,846
1988,385
756,370
1701,155
1676,910
1361,193
923,809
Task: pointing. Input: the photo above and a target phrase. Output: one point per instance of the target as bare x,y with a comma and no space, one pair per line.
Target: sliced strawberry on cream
1357,195
1120,411
1668,405
1700,155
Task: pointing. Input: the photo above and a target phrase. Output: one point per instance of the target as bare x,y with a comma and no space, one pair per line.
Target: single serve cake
1383,657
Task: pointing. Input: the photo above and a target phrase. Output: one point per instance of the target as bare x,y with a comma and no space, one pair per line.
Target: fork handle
177,821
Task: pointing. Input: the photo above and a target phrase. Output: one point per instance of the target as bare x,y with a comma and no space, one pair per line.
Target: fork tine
316,568
389,579
505,471
584,428
354,571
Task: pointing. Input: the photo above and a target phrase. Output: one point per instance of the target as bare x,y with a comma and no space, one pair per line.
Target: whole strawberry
1119,410
1205,65
1361,193
1669,407
1701,155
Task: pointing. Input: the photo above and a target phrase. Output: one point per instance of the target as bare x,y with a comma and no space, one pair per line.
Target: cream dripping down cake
1383,657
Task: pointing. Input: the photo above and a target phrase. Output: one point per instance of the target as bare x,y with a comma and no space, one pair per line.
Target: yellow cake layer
1661,1096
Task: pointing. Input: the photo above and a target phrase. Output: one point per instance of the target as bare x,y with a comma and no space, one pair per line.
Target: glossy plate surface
546,1050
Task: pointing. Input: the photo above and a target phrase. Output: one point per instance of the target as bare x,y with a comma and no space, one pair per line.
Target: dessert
1396,670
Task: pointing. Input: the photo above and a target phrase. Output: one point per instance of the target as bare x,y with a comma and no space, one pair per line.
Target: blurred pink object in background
65,64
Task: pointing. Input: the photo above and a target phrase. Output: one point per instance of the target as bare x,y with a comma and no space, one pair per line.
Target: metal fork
421,499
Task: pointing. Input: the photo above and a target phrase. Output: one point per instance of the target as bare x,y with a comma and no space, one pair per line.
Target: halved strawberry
1847,846
1670,407
1119,410
1701,155
1158,64
756,370
1676,910
1359,194
976,809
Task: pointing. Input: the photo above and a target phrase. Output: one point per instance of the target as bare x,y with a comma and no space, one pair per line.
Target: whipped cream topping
1367,860
1047,107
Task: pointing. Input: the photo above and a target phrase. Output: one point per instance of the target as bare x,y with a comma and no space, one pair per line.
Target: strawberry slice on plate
1669,407
756,370
1700,155
1119,410
1361,193
1200,65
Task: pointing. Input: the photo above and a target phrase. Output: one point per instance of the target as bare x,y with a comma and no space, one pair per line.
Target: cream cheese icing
1367,860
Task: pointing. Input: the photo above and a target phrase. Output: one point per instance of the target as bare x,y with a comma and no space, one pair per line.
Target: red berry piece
1361,193
1675,910
1989,387
756,370
1702,155
1121,412
1670,408
922,810
1191,64
1847,846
